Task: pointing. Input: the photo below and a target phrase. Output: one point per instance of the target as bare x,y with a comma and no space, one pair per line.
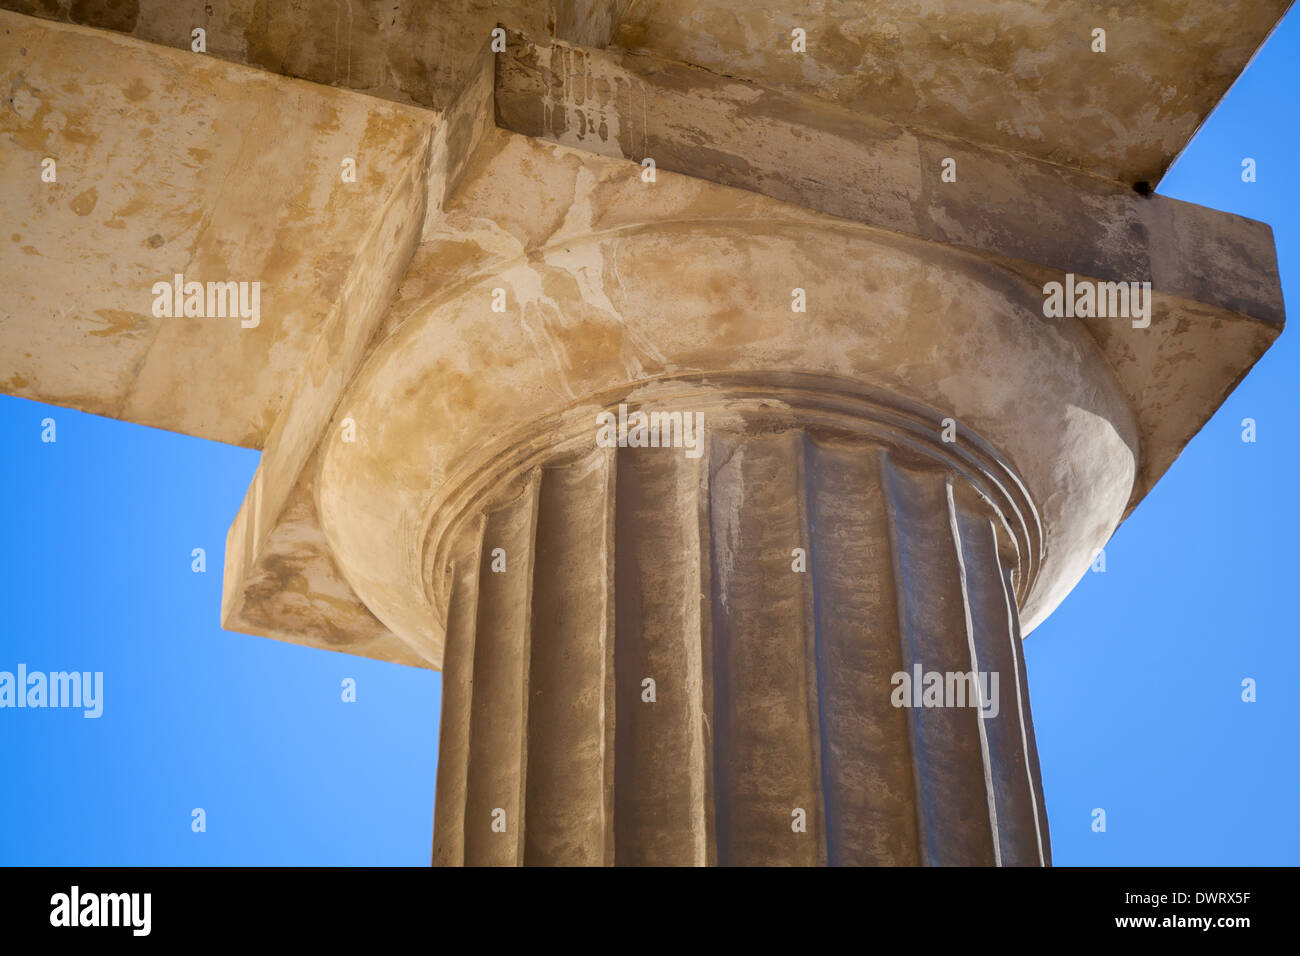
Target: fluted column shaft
659,659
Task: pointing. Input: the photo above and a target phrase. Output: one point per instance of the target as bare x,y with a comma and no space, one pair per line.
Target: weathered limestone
905,461
592,572
1017,75
171,163
823,157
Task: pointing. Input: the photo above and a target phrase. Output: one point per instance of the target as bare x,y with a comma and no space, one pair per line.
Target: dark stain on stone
49,9
261,50
155,241
106,14
84,204
137,90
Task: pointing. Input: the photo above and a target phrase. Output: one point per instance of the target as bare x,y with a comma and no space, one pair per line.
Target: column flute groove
697,659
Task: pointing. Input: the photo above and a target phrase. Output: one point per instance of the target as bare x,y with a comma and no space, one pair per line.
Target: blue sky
1135,680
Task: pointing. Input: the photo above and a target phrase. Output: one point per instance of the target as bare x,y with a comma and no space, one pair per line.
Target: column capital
460,389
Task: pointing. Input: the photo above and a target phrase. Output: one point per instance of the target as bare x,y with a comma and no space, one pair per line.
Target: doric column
691,656
690,650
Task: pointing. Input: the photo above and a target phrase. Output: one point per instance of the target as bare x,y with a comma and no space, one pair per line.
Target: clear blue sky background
1136,679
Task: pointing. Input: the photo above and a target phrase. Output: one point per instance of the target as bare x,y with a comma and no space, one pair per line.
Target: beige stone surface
821,156
1009,73
171,163
414,53
600,299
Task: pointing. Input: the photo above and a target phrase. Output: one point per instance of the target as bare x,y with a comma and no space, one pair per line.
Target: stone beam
821,156
417,54
1022,76
1016,75
169,163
